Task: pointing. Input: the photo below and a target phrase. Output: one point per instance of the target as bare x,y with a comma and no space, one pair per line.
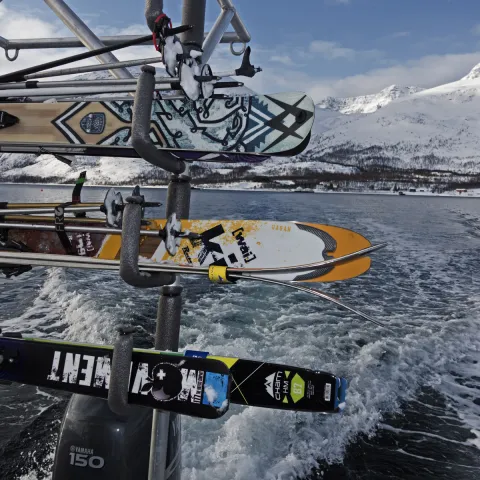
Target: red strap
154,35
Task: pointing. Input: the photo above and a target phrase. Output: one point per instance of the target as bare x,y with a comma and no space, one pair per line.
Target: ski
255,245
244,125
189,386
85,369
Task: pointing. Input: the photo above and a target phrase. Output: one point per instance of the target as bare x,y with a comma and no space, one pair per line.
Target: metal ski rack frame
218,34
165,447
85,35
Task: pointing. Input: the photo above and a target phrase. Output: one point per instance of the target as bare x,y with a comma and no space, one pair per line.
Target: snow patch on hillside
367,103
400,127
436,128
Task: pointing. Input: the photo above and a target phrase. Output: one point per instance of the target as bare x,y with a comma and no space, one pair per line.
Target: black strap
59,157
60,229
76,194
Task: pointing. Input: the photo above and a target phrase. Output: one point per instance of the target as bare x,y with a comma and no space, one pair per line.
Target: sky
323,47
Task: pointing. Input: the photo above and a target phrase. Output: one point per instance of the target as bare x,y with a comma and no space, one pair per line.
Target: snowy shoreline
474,193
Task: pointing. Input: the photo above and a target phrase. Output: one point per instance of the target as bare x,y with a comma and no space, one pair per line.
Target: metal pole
87,37
93,68
153,8
72,42
194,14
237,24
216,33
170,302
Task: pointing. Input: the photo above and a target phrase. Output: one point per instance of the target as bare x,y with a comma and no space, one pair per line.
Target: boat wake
412,399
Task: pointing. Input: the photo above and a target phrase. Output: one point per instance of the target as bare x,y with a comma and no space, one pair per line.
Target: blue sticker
195,354
215,390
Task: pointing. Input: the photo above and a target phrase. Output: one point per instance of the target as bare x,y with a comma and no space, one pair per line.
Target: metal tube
213,38
28,211
47,92
93,68
178,196
72,42
83,83
141,125
87,37
170,302
158,445
194,14
237,24
153,8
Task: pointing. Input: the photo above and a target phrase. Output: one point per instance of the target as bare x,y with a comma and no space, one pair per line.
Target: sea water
413,400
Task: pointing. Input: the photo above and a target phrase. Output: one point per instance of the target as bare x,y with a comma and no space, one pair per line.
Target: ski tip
340,394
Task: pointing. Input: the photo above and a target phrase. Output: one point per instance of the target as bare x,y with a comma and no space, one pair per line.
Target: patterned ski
230,129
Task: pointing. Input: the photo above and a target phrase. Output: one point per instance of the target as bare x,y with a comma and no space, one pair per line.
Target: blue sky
325,47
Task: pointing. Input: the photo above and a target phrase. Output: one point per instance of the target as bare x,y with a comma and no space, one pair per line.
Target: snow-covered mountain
367,103
436,128
431,129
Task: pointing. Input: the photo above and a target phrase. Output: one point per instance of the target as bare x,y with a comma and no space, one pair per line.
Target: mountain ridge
434,129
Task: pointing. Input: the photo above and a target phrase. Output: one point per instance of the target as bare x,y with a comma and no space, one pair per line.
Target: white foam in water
433,311
72,308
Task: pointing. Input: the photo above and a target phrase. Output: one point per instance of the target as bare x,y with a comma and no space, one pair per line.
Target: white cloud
31,26
331,50
428,71
285,59
400,34
476,29
20,25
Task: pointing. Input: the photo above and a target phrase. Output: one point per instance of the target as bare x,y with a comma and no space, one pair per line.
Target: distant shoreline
474,194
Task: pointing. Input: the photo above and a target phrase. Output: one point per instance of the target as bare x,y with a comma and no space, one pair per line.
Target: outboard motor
95,443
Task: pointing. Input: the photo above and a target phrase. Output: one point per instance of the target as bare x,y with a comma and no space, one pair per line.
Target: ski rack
165,448
130,249
218,34
120,373
141,141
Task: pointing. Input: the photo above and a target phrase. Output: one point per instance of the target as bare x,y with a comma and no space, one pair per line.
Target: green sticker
287,373
297,388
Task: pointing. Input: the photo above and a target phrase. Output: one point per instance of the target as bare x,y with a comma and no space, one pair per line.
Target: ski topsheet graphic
196,383
189,386
244,125
231,243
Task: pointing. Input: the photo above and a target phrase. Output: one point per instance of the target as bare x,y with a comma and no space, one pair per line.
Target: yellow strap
217,274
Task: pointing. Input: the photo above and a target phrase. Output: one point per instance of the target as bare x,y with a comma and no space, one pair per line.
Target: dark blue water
413,400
